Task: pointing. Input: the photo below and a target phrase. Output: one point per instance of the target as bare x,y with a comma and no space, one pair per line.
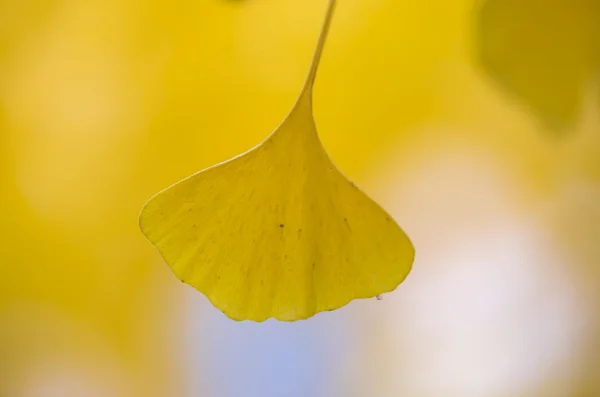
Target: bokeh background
476,123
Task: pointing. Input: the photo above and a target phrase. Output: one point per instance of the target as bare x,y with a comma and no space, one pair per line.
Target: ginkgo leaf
545,52
279,231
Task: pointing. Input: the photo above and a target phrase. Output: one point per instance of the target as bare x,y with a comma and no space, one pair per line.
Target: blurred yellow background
474,122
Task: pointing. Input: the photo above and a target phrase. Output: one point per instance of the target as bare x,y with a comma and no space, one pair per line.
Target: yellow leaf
278,231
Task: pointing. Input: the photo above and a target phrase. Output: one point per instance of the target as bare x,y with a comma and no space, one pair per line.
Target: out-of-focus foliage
545,52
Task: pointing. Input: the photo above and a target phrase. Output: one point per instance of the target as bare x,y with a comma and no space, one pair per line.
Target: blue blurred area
273,358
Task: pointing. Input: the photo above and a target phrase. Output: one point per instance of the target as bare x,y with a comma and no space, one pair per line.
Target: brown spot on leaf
347,224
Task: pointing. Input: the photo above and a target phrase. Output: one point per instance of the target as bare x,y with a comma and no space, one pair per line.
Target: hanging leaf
279,231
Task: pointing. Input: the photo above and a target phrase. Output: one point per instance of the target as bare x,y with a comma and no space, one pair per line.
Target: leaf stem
307,89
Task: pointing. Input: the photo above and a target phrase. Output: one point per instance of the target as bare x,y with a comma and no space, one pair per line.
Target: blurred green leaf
544,52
